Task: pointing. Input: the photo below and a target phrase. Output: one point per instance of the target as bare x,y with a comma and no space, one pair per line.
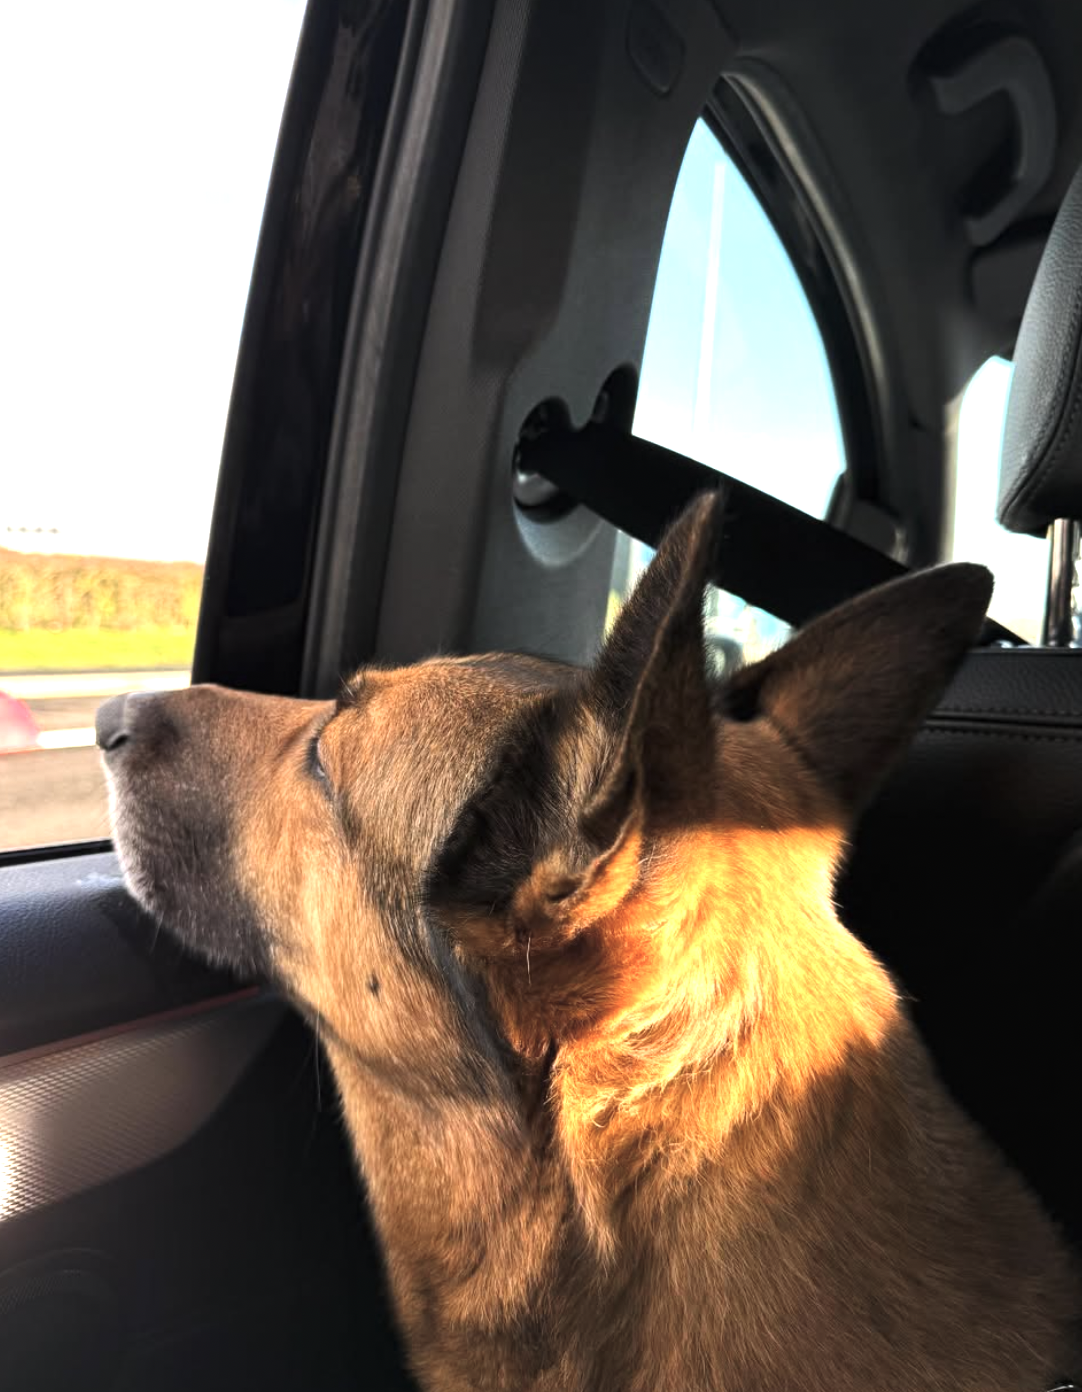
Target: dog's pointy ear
649,695
650,682
852,689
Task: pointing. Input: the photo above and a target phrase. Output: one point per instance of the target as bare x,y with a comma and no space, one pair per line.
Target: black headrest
1041,468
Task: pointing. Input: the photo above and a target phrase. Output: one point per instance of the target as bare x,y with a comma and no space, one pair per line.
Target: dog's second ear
852,689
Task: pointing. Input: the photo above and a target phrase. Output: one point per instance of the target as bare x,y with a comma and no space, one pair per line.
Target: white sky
1019,563
136,140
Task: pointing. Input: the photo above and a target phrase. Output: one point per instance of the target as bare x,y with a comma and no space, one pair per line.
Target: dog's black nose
109,725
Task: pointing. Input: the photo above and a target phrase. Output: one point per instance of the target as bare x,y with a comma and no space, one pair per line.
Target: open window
140,188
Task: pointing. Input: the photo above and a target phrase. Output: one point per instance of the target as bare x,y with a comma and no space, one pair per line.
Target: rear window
734,372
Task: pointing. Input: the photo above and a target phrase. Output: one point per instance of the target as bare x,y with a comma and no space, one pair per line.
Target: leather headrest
1041,466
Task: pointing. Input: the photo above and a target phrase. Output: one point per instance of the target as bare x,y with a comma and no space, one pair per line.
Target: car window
1019,563
136,142
734,371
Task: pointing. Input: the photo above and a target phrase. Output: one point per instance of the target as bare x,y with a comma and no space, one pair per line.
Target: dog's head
536,842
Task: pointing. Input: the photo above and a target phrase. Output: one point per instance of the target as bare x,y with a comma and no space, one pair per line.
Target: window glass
1019,563
734,370
136,142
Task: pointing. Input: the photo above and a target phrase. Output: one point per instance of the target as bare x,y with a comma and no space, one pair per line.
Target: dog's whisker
318,1049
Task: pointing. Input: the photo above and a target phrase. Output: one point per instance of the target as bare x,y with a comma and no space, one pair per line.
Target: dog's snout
110,725
115,722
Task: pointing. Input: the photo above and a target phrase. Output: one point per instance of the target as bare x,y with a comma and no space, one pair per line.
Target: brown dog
634,1111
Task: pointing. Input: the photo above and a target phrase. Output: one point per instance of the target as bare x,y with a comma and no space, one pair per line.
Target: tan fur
655,1120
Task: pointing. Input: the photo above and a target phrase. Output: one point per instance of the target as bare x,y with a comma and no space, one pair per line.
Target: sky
136,142
733,370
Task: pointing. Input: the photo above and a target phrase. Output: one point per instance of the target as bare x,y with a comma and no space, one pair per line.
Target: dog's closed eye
313,762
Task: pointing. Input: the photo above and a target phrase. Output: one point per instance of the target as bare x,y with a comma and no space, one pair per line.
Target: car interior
430,448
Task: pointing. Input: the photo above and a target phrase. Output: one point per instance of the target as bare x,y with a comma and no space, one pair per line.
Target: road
57,793
52,795
65,713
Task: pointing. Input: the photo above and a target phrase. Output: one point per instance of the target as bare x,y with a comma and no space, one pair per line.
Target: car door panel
177,1199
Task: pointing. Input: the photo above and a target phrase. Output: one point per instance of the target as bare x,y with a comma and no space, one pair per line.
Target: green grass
94,650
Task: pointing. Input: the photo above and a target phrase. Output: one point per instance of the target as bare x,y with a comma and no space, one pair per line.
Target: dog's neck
728,1014
745,1015
467,1202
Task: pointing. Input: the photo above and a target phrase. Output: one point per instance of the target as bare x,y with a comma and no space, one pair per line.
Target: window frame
744,132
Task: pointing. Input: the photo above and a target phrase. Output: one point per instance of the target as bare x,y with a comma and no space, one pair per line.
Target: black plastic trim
57,850
257,583
423,147
745,132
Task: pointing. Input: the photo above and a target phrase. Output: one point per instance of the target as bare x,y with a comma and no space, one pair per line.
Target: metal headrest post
1060,609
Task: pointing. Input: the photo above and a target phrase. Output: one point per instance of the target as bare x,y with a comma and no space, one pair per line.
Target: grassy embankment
88,613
